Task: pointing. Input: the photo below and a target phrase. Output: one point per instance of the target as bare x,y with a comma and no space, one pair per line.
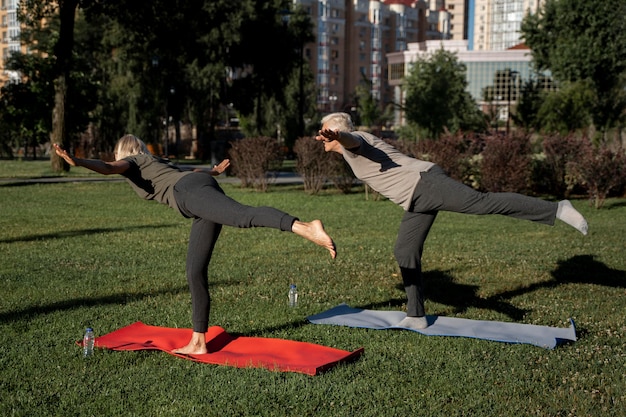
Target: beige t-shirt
385,169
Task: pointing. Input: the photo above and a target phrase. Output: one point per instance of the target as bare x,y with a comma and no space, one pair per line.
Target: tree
272,73
437,99
566,110
26,106
37,10
584,41
531,97
29,103
370,113
171,61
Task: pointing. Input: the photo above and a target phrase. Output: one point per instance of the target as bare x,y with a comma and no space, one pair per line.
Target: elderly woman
196,195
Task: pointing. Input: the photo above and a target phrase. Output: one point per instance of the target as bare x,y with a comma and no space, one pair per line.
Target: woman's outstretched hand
63,154
221,167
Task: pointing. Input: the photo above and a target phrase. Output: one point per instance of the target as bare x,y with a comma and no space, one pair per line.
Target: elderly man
423,189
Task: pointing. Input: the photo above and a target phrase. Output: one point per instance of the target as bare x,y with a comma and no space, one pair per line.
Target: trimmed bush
455,153
560,151
506,164
316,167
600,170
253,158
311,164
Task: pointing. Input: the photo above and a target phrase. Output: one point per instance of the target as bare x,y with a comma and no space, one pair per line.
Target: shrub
316,167
600,170
311,163
253,158
455,153
559,152
506,163
341,173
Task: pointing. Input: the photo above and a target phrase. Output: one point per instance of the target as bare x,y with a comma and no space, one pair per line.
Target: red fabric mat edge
225,349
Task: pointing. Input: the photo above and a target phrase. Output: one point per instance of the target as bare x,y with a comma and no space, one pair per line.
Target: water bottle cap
292,286
89,329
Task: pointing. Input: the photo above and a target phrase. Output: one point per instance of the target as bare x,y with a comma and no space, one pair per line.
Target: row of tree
581,44
126,66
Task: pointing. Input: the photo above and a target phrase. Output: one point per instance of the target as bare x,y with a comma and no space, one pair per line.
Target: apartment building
353,38
10,37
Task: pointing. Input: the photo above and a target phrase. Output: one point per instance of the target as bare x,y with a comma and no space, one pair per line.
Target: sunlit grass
80,254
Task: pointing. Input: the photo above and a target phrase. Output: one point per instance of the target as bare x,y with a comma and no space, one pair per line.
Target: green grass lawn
92,254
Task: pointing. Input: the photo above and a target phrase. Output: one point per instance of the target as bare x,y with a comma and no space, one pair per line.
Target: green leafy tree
29,102
26,106
32,11
567,110
280,73
370,111
531,97
584,41
437,99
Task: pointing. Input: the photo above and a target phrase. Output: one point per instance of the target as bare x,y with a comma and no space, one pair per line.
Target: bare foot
314,231
196,346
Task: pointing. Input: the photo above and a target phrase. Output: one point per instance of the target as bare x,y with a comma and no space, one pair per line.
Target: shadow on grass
81,232
611,205
67,305
439,286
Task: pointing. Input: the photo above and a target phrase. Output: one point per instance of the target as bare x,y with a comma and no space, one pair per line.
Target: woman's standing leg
202,240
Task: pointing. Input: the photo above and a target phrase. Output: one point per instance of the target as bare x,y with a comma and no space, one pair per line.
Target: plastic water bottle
88,342
293,295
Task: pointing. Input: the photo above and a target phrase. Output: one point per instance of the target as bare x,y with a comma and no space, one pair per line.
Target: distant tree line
116,66
120,66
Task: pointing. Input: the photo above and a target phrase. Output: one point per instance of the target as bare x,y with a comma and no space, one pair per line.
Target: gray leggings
200,197
437,192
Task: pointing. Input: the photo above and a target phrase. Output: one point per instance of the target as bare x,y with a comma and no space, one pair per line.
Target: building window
396,71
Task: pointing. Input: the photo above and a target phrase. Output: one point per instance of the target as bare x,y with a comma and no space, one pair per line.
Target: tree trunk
63,52
58,123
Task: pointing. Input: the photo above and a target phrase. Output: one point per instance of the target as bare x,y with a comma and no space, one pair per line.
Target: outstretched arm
347,139
96,165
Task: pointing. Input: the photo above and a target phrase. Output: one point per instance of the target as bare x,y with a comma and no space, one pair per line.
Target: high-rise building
494,25
353,38
10,37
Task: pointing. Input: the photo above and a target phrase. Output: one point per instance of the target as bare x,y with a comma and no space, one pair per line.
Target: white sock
567,213
415,323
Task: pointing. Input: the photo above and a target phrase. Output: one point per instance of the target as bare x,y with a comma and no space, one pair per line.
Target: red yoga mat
224,349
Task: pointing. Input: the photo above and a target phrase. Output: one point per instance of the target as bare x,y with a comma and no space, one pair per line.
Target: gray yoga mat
542,336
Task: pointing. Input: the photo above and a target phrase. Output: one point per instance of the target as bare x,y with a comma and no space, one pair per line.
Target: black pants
200,197
437,192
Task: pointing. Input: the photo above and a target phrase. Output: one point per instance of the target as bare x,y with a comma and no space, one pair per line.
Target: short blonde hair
130,145
338,121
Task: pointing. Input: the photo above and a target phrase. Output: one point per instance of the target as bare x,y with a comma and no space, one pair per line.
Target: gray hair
338,121
130,145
